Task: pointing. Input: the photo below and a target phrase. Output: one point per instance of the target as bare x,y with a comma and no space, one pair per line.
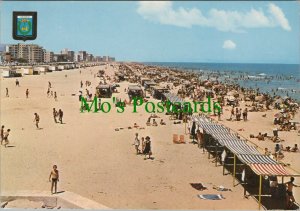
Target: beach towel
211,196
198,186
221,188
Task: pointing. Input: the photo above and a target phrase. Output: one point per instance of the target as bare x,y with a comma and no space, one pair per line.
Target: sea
278,79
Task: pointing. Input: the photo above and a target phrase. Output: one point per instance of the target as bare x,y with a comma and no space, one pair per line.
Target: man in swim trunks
36,120
54,175
289,193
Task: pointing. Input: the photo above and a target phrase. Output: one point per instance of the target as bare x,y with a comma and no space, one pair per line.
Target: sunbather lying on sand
162,122
260,137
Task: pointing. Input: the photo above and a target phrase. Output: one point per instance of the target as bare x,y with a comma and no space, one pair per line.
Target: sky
165,31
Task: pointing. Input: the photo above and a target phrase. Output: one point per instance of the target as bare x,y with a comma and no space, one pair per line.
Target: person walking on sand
143,144
245,114
147,150
27,93
55,115
49,84
232,113
54,178
81,84
219,114
60,115
137,143
5,137
17,82
55,96
6,95
2,133
48,92
290,200
36,120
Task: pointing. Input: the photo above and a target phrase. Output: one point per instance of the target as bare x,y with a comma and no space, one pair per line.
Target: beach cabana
135,91
6,73
158,92
104,91
149,84
143,80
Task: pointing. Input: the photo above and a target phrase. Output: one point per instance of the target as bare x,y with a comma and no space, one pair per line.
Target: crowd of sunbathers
154,123
238,113
279,149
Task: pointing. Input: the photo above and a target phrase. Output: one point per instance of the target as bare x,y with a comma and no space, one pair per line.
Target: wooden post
216,155
234,169
259,194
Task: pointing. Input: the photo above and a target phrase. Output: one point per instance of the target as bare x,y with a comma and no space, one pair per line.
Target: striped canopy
240,147
269,169
256,159
260,164
224,136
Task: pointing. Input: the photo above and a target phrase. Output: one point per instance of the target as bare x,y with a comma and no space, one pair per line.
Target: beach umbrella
259,98
278,115
232,93
231,98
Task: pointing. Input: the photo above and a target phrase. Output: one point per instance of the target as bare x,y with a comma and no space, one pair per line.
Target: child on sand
54,175
137,143
154,123
147,150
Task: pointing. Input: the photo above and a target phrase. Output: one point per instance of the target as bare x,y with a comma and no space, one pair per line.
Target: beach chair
181,139
175,139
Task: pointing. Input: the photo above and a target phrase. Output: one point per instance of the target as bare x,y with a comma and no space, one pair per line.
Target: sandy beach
100,163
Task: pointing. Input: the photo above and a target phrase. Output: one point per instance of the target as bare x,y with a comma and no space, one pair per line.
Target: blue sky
238,32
